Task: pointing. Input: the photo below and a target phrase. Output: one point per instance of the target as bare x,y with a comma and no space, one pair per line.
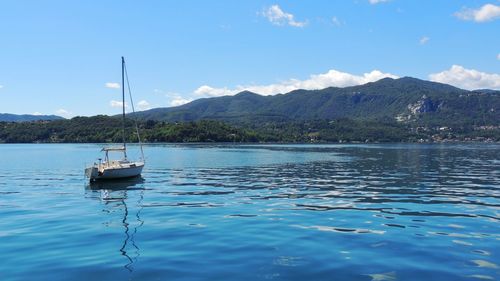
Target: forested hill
405,100
7,117
389,110
99,129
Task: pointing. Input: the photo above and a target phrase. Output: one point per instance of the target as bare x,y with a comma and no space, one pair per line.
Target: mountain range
7,117
404,100
388,110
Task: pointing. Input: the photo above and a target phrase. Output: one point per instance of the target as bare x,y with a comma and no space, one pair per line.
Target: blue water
255,212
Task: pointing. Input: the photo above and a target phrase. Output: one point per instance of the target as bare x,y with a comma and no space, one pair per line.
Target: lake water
254,212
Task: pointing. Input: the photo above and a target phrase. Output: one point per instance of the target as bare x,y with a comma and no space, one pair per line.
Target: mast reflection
115,194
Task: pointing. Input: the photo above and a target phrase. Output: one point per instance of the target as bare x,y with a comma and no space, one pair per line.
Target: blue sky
63,57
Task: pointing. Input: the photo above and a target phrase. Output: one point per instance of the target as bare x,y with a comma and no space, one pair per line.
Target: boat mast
123,109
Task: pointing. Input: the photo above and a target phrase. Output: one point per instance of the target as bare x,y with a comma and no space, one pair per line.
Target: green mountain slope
389,110
405,99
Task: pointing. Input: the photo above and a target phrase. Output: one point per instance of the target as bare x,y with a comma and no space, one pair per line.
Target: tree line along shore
106,129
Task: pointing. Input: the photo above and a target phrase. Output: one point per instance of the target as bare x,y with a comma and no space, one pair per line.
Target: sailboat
108,168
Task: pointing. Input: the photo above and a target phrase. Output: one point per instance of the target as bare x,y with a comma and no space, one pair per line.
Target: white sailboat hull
114,171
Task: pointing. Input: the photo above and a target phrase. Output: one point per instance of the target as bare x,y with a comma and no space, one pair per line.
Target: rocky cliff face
423,105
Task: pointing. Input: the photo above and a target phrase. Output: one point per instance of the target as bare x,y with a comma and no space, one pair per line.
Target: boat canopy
119,148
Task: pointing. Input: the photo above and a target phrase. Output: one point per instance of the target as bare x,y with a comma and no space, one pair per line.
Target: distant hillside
108,129
389,110
7,117
405,100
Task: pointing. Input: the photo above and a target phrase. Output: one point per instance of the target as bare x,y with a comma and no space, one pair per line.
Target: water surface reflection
259,212
113,195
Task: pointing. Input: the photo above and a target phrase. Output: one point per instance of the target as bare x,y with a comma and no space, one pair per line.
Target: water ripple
229,212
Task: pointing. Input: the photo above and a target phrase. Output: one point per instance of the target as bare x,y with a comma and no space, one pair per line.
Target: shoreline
269,143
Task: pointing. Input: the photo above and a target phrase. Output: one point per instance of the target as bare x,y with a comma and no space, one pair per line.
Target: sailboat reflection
115,194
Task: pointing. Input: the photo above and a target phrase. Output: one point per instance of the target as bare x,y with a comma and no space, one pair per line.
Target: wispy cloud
1,86
115,103
498,56
332,78
178,100
336,21
112,85
277,16
487,12
64,113
424,40
143,105
373,2
469,79
206,90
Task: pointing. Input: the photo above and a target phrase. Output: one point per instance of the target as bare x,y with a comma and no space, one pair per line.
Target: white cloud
112,85
469,79
115,103
206,90
332,78
336,21
1,86
178,100
143,105
278,17
64,113
373,2
487,12
37,113
424,40
498,56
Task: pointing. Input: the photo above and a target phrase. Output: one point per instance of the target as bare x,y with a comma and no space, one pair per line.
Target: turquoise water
255,212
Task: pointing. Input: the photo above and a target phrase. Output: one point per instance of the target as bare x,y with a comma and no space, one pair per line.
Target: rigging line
133,111
123,112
